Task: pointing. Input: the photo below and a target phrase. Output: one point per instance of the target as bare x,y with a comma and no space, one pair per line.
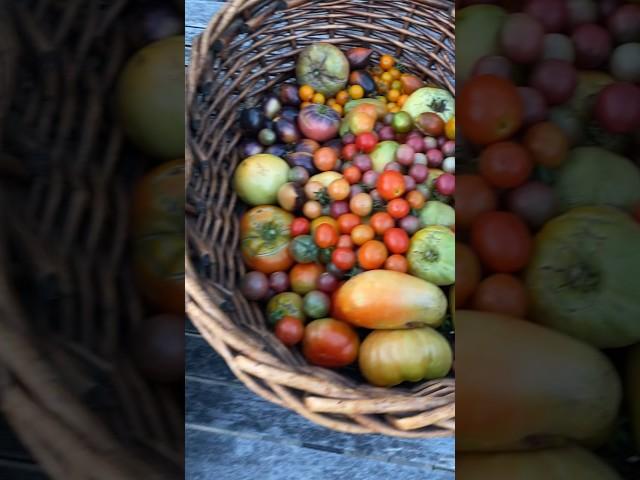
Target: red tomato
473,197
325,236
397,263
344,258
547,143
501,293
349,151
304,277
489,109
468,273
330,343
344,242
398,208
381,222
502,241
390,185
347,222
366,142
505,164
416,199
396,240
300,226
325,159
372,255
618,107
352,174
289,330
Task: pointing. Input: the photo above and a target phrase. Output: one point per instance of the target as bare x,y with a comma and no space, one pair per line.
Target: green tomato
324,67
315,304
437,213
259,177
324,255
385,152
432,255
402,122
303,249
283,305
390,357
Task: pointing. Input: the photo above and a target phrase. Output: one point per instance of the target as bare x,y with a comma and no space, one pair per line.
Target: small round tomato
356,92
390,184
505,164
349,151
397,263
362,234
323,219
325,159
303,249
343,258
381,222
289,330
450,128
416,199
316,304
348,222
547,143
300,226
473,197
396,240
339,189
312,209
344,242
304,276
352,174
468,273
361,204
325,236
502,241
398,208
501,293
330,343
372,255
366,142
387,62
306,93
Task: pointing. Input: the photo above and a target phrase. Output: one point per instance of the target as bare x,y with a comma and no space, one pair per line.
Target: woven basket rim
428,410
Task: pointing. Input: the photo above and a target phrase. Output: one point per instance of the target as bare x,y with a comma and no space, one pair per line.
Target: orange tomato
352,174
402,99
386,78
395,73
372,255
361,204
344,258
342,97
347,222
390,185
387,62
501,293
416,199
331,102
362,234
356,92
338,108
325,159
323,219
304,277
318,98
325,236
393,95
468,273
381,222
450,128
547,143
397,263
344,242
306,93
398,208
339,189
305,104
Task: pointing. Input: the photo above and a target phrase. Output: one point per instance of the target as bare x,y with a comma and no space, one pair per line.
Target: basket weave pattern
247,49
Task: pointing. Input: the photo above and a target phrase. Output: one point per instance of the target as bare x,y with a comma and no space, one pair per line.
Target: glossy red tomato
352,174
330,343
505,164
502,241
304,277
473,197
344,258
300,226
366,142
390,185
349,151
372,255
501,293
489,109
547,143
325,236
381,222
289,330
396,240
398,208
347,222
344,241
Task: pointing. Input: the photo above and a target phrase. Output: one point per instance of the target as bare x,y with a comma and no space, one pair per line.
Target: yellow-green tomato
432,255
390,357
259,177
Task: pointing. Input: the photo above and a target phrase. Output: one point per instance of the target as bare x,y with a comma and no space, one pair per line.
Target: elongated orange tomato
385,299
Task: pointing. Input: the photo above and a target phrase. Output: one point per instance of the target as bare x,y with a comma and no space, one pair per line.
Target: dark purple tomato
335,271
370,178
555,79
157,347
624,23
279,281
301,159
338,208
409,183
435,157
493,65
307,145
446,184
416,142
522,38
535,106
327,283
607,7
363,162
319,122
251,147
279,150
394,166
552,14
289,95
298,175
386,133
287,131
255,285
409,224
375,195
593,45
449,148
617,108
534,202
419,172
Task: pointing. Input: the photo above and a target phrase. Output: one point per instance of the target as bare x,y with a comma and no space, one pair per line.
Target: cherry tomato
381,222
325,236
387,62
547,143
349,151
396,240
416,199
289,330
502,241
501,293
339,189
312,209
390,185
344,242
366,142
473,197
618,108
325,159
489,109
372,255
330,343
304,276
343,258
397,263
300,226
352,174
505,164
323,219
362,234
468,273
361,204
347,222
398,208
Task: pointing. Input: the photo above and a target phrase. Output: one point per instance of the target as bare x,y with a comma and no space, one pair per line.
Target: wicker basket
247,49
76,400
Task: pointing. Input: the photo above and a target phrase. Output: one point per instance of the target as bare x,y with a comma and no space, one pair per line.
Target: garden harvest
348,238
